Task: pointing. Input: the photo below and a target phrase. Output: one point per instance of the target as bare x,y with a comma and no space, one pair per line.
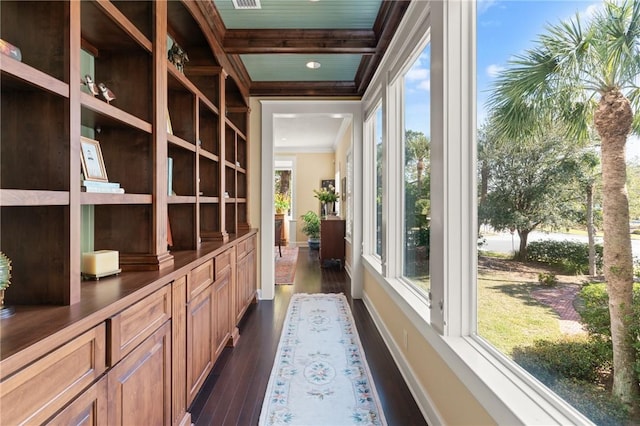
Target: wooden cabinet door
240,290
245,283
222,298
89,409
251,277
200,332
179,352
38,391
332,245
140,385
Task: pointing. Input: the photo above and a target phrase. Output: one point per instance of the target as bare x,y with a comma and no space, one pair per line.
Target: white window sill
505,390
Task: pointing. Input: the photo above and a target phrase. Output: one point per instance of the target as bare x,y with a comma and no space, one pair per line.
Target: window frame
292,168
505,390
399,91
369,237
348,196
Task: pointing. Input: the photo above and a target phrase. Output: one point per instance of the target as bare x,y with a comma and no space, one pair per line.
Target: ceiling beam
303,88
310,41
387,22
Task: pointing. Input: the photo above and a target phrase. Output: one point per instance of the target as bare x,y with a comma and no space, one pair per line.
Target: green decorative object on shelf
5,281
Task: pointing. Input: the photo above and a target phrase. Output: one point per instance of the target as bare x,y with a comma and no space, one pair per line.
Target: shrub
571,256
595,314
570,368
579,359
424,238
547,279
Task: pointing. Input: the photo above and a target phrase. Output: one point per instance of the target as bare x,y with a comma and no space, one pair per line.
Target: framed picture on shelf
92,161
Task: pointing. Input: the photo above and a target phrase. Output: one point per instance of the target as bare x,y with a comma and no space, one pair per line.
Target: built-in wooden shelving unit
46,109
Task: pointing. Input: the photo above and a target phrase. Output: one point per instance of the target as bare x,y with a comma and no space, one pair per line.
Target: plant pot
314,243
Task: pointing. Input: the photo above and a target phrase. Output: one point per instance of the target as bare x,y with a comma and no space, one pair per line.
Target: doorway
272,110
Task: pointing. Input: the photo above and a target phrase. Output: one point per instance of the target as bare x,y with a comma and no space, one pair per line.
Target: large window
283,182
348,197
508,325
379,170
416,172
540,195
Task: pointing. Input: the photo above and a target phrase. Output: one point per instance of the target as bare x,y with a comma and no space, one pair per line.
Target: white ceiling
309,132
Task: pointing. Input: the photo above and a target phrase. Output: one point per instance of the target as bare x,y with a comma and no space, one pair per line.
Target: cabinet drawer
35,393
246,246
242,249
89,409
132,326
200,278
223,263
251,243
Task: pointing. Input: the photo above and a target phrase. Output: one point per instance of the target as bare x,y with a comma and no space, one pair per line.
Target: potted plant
328,197
311,229
282,202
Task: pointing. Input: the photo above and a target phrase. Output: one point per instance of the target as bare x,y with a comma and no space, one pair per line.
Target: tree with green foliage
417,147
584,72
530,184
588,172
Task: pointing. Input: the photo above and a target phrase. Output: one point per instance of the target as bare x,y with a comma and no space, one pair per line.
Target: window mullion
393,187
369,187
453,181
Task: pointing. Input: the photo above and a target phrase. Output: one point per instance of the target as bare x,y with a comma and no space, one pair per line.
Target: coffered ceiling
269,46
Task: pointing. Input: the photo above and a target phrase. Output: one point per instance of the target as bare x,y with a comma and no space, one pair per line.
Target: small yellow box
100,263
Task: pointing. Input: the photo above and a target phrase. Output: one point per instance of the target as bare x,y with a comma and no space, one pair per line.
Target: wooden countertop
36,330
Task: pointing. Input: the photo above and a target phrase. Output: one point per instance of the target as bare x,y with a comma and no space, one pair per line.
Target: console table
332,247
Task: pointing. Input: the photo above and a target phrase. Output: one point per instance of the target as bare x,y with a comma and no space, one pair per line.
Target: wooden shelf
174,140
209,155
229,123
17,197
208,200
97,112
22,72
187,84
93,198
101,20
181,199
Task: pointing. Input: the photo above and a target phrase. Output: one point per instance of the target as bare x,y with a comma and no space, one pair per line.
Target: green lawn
508,316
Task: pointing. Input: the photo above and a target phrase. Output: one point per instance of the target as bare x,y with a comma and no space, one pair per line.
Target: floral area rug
286,265
320,375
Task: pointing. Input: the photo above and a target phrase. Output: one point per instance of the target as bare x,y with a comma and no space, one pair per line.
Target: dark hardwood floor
233,393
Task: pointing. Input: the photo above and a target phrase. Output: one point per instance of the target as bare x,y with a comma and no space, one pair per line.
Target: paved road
506,243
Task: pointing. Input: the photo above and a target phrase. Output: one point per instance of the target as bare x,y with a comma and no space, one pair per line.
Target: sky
505,28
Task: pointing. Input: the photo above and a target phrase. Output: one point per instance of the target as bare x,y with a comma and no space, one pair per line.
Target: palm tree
417,149
582,73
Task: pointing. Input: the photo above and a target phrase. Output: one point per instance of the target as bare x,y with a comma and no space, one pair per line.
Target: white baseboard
424,402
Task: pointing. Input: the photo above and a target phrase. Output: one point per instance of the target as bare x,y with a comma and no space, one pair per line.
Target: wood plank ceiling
269,47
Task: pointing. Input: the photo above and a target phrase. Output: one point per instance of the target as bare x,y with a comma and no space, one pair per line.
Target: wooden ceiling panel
259,44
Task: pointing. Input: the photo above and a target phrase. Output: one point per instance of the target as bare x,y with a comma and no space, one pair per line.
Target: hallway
235,389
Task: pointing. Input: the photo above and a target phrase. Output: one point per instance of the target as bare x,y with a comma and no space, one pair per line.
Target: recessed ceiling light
313,65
